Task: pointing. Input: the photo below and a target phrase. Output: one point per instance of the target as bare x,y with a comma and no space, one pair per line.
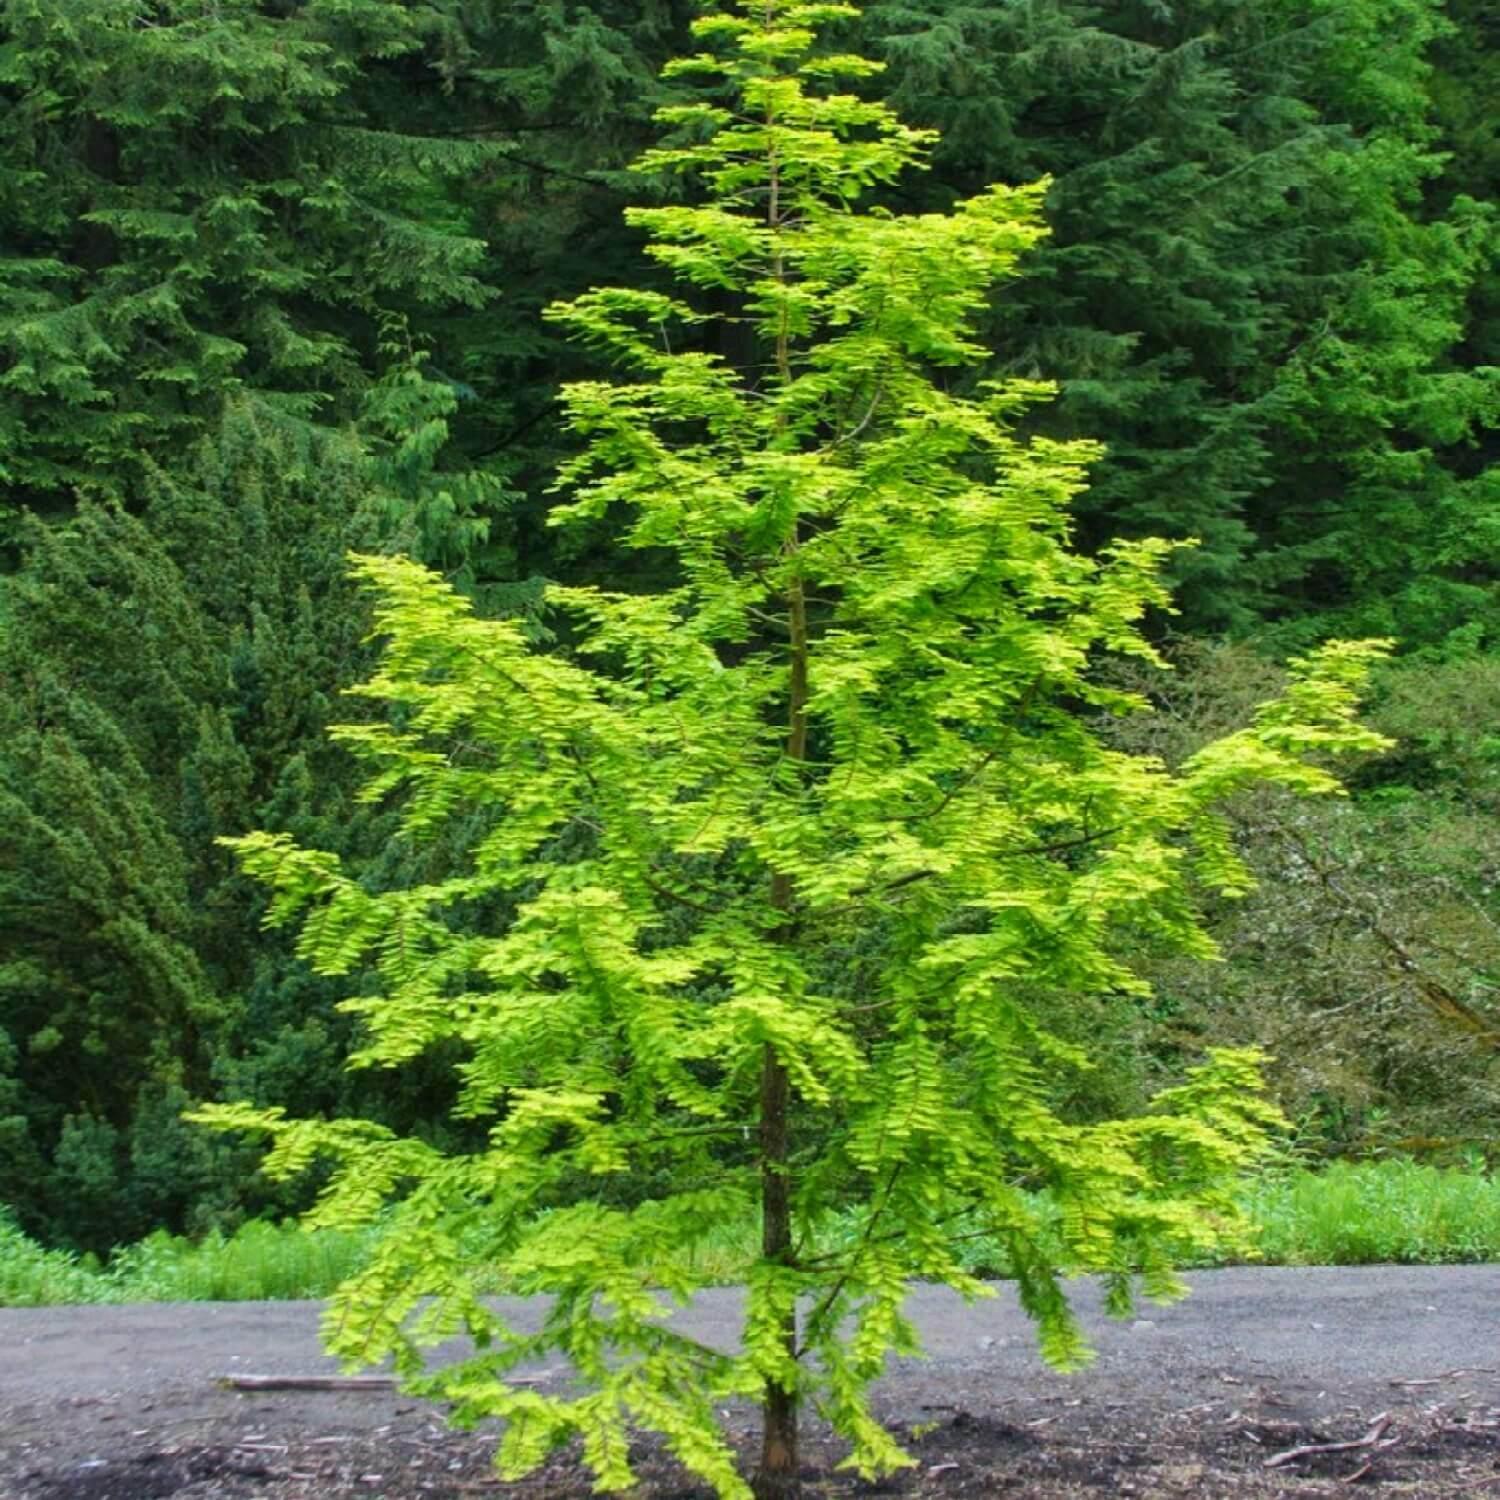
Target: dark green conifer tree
563,97
1464,85
208,199
1244,296
164,679
103,996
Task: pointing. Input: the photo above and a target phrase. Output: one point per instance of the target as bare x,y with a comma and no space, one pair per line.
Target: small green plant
31,1276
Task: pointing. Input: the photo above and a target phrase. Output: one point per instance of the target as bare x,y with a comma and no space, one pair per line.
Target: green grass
260,1262
1392,1212
1368,1213
33,1277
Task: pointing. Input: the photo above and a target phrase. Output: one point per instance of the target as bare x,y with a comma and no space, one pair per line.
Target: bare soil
1401,1367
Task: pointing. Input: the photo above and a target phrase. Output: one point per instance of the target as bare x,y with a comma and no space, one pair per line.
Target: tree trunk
777,1477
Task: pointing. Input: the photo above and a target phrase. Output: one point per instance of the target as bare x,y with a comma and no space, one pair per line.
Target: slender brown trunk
778,1477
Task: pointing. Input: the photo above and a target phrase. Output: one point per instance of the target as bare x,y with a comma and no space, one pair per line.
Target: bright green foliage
203,199
864,705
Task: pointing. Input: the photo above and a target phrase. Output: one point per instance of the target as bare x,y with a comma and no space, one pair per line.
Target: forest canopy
273,279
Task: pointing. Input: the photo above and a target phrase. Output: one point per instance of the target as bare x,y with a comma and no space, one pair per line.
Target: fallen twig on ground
1374,1438
1447,1375
307,1382
333,1382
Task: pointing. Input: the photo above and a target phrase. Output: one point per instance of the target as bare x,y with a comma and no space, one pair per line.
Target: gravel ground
1400,1363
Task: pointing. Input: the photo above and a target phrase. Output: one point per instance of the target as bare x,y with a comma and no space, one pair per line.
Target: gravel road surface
1256,1360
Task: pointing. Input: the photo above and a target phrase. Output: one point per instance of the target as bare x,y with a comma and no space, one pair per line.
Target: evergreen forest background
272,275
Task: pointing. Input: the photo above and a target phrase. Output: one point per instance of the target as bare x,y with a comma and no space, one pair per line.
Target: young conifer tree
782,850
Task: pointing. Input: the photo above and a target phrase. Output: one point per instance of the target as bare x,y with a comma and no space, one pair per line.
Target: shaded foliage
1367,962
203,200
168,678
1245,297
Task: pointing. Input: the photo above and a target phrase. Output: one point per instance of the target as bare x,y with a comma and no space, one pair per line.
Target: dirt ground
1291,1383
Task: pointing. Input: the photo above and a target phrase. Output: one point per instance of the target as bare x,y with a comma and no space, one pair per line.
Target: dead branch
331,1382
1374,1438
307,1382
1447,1375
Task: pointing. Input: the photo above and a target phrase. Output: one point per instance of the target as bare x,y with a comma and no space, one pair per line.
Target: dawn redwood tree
777,855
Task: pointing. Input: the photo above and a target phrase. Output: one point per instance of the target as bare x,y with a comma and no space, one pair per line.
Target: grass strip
1386,1212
